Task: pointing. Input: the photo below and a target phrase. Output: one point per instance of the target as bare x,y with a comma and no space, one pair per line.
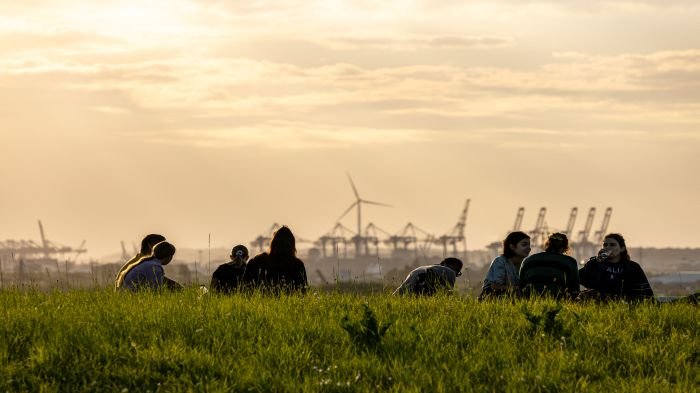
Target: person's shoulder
259,259
499,260
634,265
297,262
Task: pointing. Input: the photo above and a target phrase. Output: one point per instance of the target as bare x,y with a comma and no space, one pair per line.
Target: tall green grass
106,341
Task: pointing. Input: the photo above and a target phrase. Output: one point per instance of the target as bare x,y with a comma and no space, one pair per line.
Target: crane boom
519,219
586,231
604,226
572,220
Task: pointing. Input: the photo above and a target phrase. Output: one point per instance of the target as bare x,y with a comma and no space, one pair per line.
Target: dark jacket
624,279
549,273
276,273
227,278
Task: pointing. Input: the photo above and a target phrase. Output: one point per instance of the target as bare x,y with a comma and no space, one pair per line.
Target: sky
215,119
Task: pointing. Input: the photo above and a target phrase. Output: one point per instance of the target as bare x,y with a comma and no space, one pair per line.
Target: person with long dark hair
502,277
550,272
278,270
613,275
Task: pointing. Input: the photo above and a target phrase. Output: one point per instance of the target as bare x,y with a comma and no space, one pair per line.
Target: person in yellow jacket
147,244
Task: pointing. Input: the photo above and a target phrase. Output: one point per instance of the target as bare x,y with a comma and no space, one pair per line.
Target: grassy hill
104,341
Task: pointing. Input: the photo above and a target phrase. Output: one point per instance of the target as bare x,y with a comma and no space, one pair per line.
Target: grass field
104,341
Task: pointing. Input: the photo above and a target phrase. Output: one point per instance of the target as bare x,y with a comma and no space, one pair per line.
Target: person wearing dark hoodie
279,270
613,275
228,277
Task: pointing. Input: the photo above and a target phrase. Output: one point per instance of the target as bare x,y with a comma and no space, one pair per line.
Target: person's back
431,279
549,273
148,274
276,273
228,277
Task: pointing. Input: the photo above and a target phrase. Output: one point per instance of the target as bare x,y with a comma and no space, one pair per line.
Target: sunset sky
190,117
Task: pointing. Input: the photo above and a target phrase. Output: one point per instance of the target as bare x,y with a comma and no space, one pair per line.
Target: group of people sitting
278,270
515,273
610,274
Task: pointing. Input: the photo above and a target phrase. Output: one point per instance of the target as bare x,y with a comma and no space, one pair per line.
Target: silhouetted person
502,278
431,279
228,277
550,272
147,244
279,270
149,273
613,275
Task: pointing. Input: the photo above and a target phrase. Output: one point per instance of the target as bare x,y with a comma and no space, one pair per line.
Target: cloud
416,43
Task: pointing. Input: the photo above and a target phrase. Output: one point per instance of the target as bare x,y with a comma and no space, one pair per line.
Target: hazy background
190,117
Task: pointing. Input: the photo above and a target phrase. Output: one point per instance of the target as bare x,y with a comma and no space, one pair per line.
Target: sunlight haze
198,117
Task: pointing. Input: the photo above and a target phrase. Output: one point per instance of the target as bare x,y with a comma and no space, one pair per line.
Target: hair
163,250
149,241
513,239
624,255
557,242
283,243
452,261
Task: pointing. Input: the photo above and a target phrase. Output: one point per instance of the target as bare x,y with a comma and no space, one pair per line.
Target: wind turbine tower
359,238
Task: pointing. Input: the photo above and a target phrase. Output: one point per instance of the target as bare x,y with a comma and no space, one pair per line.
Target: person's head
164,252
454,264
283,243
239,254
616,248
516,244
557,242
149,241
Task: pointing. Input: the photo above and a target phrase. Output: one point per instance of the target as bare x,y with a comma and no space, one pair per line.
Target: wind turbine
358,204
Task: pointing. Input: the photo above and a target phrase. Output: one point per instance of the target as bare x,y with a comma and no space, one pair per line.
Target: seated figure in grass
228,277
278,270
431,279
550,272
613,275
502,278
149,273
147,244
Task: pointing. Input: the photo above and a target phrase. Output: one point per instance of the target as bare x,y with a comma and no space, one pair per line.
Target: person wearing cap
228,277
430,279
149,273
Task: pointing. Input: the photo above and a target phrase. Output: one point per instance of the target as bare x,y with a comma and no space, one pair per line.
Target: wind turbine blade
375,203
354,189
346,211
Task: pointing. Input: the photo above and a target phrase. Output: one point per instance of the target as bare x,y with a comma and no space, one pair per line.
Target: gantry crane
262,242
540,230
570,224
339,234
600,234
583,247
456,235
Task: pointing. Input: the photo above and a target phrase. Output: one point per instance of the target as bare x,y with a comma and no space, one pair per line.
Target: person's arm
586,274
498,277
638,287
